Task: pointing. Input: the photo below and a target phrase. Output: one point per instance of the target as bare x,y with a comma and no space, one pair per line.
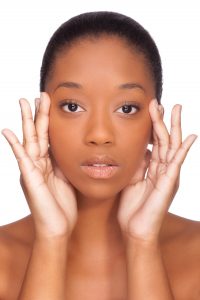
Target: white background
25,28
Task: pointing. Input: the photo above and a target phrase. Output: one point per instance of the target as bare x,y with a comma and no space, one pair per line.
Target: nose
100,130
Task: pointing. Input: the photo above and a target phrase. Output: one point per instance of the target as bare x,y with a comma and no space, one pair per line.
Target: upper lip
103,159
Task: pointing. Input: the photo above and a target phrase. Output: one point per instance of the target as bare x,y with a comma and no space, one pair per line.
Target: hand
50,196
145,201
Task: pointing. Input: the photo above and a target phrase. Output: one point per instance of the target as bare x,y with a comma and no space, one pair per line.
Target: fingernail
42,95
2,132
155,102
160,108
20,101
195,136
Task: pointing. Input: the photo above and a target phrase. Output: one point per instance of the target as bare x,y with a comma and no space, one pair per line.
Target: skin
102,234
98,130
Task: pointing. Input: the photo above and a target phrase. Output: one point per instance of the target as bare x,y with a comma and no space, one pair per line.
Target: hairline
133,47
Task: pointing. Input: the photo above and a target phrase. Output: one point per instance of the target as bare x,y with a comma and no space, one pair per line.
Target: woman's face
100,123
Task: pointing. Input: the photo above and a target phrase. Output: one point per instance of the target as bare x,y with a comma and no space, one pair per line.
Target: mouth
100,171
100,167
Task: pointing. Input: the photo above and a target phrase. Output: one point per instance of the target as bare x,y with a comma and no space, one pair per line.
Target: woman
99,226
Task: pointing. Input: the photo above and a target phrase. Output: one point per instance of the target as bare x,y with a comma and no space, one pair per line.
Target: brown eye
70,106
129,109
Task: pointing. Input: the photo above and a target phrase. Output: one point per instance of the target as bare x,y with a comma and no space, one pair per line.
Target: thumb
58,173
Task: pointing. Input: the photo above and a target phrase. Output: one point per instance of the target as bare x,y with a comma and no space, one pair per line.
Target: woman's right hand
51,198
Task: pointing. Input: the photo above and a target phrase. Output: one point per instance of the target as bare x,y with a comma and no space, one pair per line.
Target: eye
71,104
129,108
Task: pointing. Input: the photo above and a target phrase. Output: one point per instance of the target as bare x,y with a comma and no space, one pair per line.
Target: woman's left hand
144,202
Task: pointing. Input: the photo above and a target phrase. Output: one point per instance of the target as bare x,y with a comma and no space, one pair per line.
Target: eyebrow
131,85
124,86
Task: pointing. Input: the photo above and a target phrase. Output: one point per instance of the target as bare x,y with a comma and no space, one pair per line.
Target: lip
100,159
100,171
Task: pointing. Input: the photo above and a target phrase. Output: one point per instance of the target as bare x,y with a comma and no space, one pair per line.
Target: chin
98,189
97,192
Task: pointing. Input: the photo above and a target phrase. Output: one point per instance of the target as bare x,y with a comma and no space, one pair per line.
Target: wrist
50,237
142,245
50,251
51,242
146,270
147,238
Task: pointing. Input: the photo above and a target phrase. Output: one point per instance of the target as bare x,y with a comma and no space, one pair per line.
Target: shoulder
178,229
15,246
181,253
17,233
181,239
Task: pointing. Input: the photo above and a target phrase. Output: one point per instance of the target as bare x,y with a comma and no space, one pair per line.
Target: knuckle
33,139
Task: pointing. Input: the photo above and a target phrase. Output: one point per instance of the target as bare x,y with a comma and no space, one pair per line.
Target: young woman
99,226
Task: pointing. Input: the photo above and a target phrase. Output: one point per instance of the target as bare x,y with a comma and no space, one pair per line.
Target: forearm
45,275
147,277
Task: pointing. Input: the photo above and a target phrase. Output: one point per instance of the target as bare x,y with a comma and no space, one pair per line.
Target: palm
50,196
145,201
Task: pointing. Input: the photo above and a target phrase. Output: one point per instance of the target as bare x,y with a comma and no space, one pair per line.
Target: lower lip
100,172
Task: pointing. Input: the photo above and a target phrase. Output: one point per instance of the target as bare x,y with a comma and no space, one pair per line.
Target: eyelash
126,103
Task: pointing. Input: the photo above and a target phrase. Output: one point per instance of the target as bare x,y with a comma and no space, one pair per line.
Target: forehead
109,50
106,58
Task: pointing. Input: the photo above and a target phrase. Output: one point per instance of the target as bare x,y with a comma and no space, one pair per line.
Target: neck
97,229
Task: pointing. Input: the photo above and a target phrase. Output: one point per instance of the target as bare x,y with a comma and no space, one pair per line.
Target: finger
170,181
167,185
23,187
175,132
140,173
37,103
155,149
56,168
42,124
37,193
152,171
30,140
25,163
155,160
160,129
176,163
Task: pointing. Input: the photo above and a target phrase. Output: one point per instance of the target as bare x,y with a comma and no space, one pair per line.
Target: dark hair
95,24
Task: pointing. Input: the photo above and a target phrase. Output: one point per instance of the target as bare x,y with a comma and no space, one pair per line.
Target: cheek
131,144
62,142
135,146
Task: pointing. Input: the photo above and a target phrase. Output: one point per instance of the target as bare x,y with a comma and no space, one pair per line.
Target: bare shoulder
177,230
181,252
16,233
181,240
15,245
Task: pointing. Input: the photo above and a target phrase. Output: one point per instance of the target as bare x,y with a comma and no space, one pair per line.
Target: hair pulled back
95,24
